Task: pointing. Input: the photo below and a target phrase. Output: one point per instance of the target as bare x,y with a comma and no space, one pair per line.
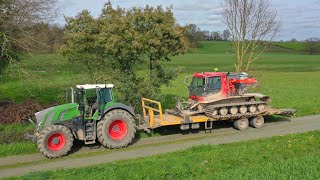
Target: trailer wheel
55,141
241,124
116,129
257,122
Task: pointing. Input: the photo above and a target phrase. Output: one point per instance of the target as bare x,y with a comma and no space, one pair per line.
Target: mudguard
119,106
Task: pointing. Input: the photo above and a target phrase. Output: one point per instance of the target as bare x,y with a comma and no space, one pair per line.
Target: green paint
69,112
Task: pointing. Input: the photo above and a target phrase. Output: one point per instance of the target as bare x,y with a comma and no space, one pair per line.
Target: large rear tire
116,129
241,124
55,141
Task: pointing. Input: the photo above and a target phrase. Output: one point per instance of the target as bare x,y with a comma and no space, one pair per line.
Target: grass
48,78
290,79
12,140
296,46
283,157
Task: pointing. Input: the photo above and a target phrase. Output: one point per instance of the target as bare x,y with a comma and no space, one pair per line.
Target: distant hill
225,47
295,46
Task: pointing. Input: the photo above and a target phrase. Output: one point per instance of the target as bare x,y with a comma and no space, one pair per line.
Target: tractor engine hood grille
41,114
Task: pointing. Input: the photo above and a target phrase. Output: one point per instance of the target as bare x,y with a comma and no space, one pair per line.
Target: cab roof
94,86
207,74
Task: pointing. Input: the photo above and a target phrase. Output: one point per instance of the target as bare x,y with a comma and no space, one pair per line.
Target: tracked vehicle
215,96
223,95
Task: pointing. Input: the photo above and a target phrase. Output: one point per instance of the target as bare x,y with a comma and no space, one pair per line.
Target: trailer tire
257,122
116,129
55,141
241,124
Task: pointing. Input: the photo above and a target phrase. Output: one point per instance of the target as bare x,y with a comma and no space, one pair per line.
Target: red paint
244,81
226,85
118,129
196,98
207,74
59,144
232,87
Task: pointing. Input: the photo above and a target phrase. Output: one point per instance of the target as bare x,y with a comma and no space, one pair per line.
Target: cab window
214,84
105,95
198,82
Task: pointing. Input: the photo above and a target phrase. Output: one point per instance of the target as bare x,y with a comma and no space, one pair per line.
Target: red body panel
224,85
227,85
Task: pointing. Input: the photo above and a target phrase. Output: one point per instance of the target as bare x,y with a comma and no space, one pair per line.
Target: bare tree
216,36
17,17
226,35
312,45
293,40
253,24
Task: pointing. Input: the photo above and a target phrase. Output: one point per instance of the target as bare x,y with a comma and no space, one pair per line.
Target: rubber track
209,109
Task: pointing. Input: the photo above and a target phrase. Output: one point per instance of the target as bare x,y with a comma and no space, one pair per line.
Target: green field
284,157
296,46
291,79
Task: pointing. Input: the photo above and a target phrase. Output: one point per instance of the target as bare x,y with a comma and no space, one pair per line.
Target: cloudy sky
300,18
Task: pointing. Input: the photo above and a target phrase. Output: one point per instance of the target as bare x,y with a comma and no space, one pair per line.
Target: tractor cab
92,98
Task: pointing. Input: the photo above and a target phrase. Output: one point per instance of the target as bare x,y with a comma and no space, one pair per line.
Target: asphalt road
82,156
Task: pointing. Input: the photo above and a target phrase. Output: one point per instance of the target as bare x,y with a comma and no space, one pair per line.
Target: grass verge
284,157
12,141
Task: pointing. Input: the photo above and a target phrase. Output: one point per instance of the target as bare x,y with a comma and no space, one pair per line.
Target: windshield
197,86
105,95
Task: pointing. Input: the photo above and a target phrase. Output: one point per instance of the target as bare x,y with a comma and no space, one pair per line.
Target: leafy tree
81,36
194,34
121,41
160,39
293,40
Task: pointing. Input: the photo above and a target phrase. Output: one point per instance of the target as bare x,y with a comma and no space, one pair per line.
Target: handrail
151,110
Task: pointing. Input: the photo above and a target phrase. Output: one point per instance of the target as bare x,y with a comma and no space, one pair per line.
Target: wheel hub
55,141
115,128
118,129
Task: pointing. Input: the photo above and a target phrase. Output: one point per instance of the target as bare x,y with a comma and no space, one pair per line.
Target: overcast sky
300,18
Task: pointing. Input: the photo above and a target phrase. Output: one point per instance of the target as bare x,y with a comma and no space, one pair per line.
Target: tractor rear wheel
257,122
55,141
241,124
116,129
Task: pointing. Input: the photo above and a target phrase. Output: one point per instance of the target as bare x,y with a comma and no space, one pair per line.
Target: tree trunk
151,69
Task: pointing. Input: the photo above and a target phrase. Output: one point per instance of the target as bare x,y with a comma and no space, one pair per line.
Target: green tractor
92,114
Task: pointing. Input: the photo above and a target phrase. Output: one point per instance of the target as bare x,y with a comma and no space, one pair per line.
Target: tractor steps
90,132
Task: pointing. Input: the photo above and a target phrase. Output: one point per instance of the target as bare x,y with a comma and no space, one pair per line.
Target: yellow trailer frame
155,118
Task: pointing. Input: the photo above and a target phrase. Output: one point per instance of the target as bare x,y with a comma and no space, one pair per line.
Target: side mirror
72,95
66,96
187,80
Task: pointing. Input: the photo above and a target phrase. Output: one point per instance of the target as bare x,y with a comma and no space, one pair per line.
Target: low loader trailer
153,118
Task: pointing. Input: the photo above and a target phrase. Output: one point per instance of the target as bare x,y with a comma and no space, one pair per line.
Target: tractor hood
56,114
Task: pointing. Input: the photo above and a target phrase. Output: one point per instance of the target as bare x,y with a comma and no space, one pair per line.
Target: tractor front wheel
116,129
55,141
